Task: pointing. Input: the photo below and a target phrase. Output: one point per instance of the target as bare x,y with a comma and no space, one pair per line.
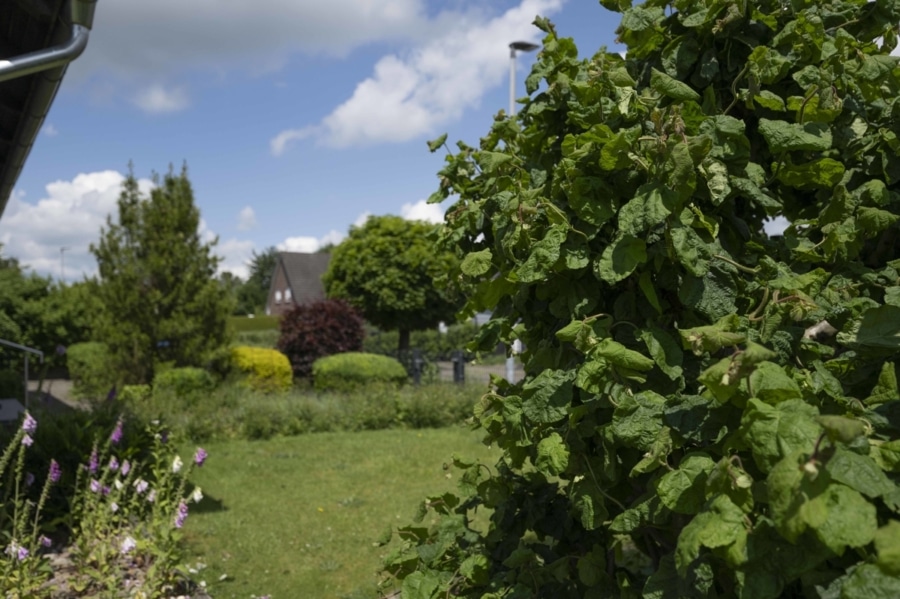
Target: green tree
253,294
162,303
707,411
387,270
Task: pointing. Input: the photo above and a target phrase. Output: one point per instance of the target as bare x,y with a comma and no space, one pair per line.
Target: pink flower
29,425
182,514
27,441
55,471
200,456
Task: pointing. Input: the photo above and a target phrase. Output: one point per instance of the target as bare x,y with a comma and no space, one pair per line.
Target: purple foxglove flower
45,541
94,463
21,553
200,456
29,425
140,485
105,490
27,441
116,435
55,471
113,464
126,468
29,479
182,514
95,485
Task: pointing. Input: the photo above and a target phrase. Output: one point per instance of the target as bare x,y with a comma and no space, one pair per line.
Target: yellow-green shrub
351,370
263,369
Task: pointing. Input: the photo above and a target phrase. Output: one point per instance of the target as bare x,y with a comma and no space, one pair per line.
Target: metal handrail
27,350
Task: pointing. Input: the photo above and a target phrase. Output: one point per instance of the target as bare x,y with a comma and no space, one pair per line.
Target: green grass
299,516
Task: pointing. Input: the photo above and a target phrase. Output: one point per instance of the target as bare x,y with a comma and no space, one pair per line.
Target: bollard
417,363
459,366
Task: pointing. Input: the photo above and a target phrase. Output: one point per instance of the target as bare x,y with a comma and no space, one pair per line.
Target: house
38,39
297,280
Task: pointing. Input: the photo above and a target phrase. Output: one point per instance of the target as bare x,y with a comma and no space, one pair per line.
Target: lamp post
513,47
62,263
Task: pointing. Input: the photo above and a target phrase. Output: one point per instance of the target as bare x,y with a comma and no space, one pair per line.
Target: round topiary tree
708,410
312,331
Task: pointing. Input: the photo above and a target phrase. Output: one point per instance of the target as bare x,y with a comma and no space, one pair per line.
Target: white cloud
422,210
49,130
362,218
133,37
246,219
331,238
68,216
776,226
433,84
157,99
236,255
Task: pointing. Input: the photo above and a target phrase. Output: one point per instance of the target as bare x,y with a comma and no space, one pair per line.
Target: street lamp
62,263
521,47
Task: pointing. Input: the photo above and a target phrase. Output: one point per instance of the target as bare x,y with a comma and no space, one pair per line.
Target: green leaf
859,473
768,65
712,338
620,259
476,569
850,522
664,350
420,585
782,136
875,220
720,524
692,252
868,581
699,419
637,419
490,161
552,455
435,144
476,263
887,544
823,173
878,329
770,383
671,87
774,432
544,255
546,398
684,490
839,428
647,209
617,354
587,501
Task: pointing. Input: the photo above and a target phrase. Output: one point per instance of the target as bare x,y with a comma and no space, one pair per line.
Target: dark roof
38,38
304,274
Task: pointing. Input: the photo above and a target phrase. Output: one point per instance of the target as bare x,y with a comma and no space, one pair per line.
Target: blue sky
297,118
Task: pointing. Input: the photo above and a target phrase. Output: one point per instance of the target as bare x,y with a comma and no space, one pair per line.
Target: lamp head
523,46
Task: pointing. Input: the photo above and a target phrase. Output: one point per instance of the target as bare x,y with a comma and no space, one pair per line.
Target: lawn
299,516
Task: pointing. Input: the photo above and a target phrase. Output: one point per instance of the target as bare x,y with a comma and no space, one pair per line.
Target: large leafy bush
312,331
89,368
266,370
353,370
708,411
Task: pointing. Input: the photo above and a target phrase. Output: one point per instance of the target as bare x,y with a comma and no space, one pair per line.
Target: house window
278,297
287,295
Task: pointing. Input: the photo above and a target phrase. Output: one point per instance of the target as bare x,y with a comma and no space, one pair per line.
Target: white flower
128,545
197,495
177,464
114,507
118,484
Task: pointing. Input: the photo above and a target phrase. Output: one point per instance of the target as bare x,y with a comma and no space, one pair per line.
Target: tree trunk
404,341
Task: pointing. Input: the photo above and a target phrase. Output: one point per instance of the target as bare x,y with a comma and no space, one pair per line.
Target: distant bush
12,384
183,382
135,393
319,329
90,371
242,324
349,371
266,370
267,339
434,345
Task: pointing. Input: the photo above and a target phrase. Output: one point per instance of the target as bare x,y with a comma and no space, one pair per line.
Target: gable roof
38,39
304,275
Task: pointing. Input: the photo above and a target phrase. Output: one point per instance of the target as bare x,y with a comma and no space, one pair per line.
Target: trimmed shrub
263,369
267,339
89,368
319,329
351,370
135,393
183,381
434,345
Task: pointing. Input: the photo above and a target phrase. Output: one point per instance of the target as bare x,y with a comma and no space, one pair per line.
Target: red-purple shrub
319,329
